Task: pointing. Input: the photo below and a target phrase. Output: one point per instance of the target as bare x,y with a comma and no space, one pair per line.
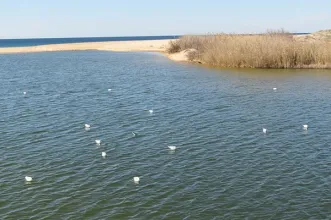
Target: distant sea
44,41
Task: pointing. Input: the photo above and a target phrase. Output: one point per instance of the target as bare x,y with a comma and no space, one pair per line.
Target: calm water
224,166
44,41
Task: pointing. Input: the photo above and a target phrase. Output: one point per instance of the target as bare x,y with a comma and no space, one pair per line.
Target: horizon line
127,36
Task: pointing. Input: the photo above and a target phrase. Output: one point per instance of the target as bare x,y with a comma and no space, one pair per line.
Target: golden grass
270,50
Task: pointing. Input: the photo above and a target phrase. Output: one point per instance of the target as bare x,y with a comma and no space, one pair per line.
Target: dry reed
271,50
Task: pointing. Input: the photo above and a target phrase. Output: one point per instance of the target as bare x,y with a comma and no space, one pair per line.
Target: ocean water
44,41
224,167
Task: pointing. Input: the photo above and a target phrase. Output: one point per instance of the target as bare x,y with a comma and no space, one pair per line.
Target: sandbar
140,45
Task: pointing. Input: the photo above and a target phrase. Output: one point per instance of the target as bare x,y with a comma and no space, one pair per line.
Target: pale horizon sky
107,18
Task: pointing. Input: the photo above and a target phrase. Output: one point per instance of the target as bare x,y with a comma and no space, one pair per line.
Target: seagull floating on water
264,130
150,111
172,147
274,89
24,93
98,142
109,90
28,178
136,179
305,127
103,154
87,126
133,134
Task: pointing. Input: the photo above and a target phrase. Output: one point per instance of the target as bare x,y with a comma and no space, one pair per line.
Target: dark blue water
224,166
44,41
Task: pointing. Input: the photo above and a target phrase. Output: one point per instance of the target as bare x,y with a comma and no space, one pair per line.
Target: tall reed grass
276,49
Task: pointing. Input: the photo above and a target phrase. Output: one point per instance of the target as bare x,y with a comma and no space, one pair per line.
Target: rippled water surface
224,166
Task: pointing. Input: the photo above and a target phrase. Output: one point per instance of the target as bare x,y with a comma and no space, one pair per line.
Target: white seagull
151,111
133,134
274,89
136,179
305,127
28,178
172,147
87,126
24,93
109,90
103,154
98,142
264,130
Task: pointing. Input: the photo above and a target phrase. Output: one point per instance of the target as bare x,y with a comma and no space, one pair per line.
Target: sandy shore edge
119,46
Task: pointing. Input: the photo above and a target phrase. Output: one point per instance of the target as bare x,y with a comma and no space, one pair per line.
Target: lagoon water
224,167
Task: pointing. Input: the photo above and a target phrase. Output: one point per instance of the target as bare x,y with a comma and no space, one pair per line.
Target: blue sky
79,18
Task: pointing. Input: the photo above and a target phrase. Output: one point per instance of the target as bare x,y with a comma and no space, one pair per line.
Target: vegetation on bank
274,49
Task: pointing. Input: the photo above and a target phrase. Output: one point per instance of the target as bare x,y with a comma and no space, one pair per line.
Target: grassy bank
270,50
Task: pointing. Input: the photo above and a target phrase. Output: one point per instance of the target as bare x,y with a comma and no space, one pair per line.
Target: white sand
181,56
124,46
142,45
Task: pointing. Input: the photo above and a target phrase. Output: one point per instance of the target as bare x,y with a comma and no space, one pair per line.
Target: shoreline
125,46
137,45
116,46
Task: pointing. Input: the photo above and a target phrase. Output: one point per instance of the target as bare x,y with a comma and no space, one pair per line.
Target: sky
107,18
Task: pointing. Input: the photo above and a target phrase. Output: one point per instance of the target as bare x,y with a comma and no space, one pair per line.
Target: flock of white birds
136,179
172,148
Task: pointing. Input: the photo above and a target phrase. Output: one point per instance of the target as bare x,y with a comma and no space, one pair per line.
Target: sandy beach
141,45
120,46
